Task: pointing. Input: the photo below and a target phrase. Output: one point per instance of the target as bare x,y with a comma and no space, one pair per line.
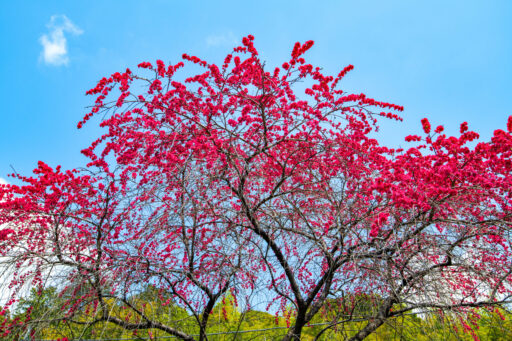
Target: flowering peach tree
234,182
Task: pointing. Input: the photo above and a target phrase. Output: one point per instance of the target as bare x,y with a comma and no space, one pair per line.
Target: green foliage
339,320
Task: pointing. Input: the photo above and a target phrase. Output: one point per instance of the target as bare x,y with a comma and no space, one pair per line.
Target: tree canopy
234,182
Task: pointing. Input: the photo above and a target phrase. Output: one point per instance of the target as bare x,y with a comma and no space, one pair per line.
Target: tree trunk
375,323
368,329
294,333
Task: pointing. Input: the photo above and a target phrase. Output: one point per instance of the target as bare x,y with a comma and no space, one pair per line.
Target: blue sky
450,61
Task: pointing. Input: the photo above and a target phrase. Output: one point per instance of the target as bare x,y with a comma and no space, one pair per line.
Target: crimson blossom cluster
232,182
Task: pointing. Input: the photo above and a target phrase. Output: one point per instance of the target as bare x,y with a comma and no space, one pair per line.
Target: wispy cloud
55,50
226,39
3,181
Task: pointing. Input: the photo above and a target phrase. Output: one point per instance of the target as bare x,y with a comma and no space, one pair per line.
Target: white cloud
227,39
3,181
55,50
